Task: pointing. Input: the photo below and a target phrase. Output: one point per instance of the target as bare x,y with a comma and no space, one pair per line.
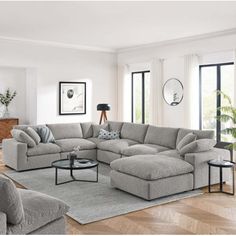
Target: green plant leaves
7,98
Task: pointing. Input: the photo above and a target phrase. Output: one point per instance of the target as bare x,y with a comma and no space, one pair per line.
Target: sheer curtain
191,91
156,100
235,77
123,98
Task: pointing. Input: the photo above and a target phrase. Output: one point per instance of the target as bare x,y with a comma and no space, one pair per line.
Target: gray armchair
29,212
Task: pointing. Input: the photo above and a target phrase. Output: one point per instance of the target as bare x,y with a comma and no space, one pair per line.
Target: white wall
210,50
46,66
14,79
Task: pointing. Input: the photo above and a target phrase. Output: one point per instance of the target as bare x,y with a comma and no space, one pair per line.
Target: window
140,97
215,77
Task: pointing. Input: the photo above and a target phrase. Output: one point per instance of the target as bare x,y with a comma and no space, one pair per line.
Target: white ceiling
113,25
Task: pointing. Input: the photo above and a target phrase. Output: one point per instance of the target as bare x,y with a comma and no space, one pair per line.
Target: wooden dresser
6,125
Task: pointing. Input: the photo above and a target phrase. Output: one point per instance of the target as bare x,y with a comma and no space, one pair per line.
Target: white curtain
123,91
235,78
191,91
156,100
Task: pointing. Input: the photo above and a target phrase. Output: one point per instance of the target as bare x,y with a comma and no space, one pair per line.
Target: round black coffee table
221,164
78,164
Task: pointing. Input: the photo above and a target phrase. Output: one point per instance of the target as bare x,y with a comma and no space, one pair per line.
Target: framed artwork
72,98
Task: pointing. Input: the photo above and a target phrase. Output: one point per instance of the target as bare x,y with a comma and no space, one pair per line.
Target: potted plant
228,113
5,100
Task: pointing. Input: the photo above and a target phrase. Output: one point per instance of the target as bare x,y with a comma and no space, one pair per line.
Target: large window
215,77
140,97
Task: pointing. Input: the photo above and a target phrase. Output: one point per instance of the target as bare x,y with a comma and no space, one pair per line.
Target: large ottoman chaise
152,176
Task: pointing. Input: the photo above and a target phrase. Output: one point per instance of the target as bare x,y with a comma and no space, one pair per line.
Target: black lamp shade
103,107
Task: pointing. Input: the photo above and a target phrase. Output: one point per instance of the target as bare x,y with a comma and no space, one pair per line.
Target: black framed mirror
173,92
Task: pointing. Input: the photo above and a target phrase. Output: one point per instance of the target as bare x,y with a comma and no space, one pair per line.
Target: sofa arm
3,223
199,161
14,154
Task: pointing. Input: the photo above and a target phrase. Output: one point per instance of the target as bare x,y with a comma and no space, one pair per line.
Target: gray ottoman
151,176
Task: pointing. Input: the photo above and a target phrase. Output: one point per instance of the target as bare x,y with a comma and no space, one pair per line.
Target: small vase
6,113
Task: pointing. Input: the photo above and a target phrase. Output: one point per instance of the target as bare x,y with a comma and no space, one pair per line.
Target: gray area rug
89,202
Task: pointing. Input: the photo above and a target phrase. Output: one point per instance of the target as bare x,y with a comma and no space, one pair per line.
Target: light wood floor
205,214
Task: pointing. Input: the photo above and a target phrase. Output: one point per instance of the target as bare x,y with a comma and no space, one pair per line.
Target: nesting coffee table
78,164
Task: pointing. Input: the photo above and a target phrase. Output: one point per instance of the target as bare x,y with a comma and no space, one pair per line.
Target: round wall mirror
173,92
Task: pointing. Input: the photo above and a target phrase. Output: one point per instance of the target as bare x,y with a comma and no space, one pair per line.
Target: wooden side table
6,125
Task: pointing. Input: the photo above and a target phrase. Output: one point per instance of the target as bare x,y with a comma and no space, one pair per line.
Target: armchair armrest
14,153
199,161
3,223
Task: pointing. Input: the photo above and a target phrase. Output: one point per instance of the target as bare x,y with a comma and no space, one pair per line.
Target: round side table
221,165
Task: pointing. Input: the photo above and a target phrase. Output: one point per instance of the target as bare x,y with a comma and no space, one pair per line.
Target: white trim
179,40
57,44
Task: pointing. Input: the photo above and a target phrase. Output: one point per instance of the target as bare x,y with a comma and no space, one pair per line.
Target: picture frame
72,98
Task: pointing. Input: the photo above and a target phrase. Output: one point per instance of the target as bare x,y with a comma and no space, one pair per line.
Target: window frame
143,94
218,97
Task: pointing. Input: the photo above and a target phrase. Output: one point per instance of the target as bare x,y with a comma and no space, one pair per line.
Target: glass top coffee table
77,164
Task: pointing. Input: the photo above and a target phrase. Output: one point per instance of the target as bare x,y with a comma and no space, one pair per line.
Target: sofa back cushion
134,131
10,201
201,134
163,136
23,137
87,129
114,125
63,131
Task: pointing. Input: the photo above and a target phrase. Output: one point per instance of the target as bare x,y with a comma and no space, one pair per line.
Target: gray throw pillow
34,135
186,140
46,134
200,145
104,134
23,137
10,201
96,129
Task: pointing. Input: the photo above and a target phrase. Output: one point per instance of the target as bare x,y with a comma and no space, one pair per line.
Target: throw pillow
96,129
23,137
45,134
10,201
104,134
186,140
34,135
200,145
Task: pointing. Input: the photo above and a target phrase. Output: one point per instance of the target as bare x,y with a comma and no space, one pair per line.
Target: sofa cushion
134,132
67,145
108,135
200,134
62,131
34,135
39,209
96,140
163,136
116,145
200,145
190,137
114,125
96,129
10,201
151,167
43,149
139,149
172,153
23,137
45,134
87,129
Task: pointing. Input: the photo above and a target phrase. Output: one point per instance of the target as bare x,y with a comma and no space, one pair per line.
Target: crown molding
58,45
179,40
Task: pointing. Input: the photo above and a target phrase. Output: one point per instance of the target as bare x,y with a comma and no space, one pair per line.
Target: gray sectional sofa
144,161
